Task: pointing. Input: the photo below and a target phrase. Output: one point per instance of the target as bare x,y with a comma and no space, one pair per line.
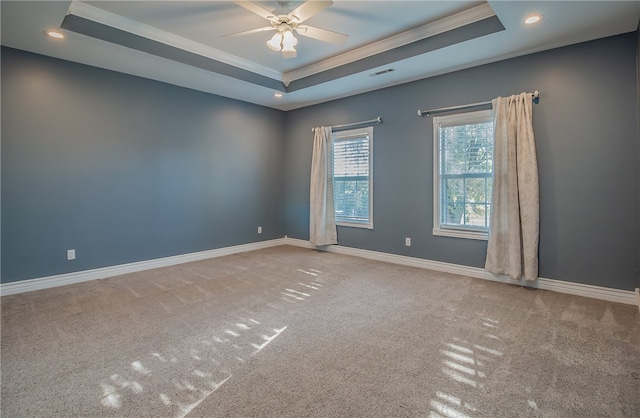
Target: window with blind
352,177
463,169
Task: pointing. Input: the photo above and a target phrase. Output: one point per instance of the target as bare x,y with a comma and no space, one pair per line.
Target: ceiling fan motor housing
283,26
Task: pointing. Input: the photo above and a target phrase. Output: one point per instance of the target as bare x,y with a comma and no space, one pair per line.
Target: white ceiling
402,35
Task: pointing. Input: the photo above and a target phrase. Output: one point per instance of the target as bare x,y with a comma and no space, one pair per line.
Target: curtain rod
536,98
346,125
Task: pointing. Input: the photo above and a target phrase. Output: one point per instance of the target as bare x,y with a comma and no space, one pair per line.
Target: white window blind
352,156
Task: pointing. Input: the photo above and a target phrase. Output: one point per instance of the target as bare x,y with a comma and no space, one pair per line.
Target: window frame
449,230
344,135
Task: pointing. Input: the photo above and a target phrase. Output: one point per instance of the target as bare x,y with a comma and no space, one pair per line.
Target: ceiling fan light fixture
289,42
283,40
275,43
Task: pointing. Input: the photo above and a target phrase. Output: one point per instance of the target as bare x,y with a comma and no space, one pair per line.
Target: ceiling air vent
377,73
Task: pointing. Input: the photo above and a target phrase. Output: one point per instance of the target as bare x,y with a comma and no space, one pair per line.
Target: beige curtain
322,221
514,230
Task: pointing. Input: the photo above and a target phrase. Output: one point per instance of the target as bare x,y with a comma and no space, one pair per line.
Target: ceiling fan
286,24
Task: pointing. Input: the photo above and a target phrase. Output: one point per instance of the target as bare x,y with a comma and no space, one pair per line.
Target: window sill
458,233
355,225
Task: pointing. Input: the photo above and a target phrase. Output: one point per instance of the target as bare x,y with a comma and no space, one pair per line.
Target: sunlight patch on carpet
203,362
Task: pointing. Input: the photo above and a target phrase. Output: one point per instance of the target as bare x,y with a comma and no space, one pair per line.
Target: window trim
345,134
455,231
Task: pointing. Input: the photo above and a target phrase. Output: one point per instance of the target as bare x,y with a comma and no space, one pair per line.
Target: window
352,177
463,168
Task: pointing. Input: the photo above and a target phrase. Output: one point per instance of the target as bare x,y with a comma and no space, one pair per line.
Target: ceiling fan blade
308,9
247,32
289,54
322,34
257,9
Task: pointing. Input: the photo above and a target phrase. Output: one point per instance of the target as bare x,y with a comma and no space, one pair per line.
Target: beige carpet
290,332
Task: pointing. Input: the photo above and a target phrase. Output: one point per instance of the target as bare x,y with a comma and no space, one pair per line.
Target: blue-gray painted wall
125,169
587,143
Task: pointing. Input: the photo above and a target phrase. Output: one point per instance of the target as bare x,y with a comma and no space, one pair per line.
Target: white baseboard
597,292
101,273
571,288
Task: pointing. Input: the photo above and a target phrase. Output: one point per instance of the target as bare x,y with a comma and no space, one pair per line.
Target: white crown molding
101,273
448,23
84,10
596,292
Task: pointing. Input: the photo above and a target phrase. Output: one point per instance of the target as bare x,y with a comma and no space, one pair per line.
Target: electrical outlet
259,230
407,242
71,254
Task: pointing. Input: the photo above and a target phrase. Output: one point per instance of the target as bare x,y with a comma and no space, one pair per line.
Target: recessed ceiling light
533,19
54,34
277,95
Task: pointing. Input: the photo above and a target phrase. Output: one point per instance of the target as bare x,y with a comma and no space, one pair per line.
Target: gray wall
124,169
587,142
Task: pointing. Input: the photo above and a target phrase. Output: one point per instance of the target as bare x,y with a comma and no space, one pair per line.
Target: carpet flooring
291,332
